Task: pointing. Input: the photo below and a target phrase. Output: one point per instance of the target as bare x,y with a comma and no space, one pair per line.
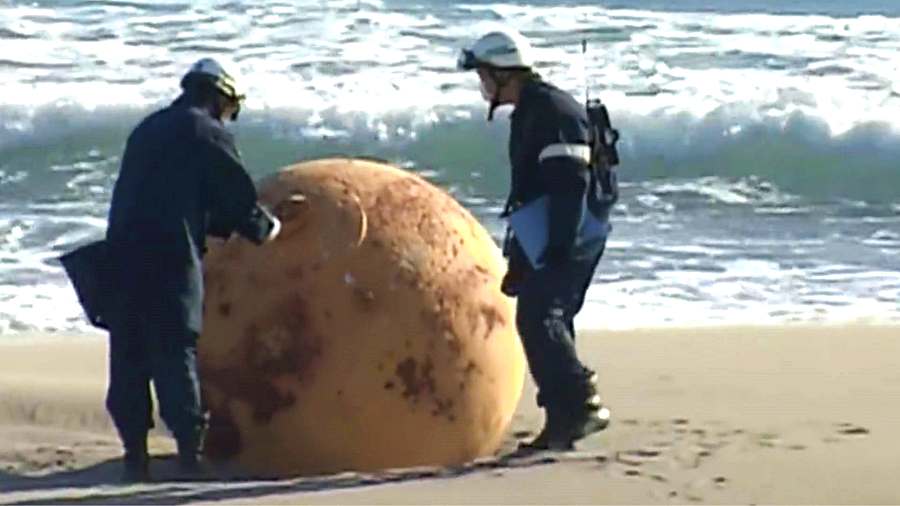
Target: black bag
604,191
88,268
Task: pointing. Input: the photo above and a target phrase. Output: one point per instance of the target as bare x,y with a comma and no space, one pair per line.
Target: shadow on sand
99,484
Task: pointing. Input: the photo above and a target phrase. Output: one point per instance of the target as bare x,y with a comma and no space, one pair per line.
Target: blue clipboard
530,224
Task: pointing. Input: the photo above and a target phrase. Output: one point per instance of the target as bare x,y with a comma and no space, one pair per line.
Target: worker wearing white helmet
181,179
497,56
558,177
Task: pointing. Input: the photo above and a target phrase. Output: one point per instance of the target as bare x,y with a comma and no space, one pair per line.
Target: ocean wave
69,145
381,58
759,144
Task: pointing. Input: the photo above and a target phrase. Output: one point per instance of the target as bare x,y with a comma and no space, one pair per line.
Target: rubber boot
591,415
136,462
190,447
554,436
566,424
592,418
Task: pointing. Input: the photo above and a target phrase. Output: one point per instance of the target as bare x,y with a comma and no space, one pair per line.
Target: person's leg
541,320
128,396
178,391
583,408
548,303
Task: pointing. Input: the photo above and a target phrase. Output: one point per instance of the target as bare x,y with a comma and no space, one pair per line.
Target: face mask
485,93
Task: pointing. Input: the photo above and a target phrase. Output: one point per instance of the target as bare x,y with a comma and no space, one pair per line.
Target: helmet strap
499,84
493,107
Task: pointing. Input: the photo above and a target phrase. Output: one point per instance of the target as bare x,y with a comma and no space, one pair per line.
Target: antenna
587,91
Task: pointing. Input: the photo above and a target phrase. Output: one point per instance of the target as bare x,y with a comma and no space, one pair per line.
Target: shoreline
30,337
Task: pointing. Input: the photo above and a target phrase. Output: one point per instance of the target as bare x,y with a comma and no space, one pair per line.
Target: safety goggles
467,60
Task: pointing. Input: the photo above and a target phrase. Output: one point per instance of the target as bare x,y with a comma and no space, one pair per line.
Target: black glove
518,268
511,282
261,226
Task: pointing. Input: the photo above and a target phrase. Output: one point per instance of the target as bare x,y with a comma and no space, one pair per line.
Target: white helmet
500,49
212,70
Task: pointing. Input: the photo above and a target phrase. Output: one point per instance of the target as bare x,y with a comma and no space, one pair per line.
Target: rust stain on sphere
371,334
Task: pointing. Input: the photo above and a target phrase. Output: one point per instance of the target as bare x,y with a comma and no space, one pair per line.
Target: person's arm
565,171
232,195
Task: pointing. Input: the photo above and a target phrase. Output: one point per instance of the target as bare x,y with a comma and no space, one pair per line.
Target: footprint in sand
684,443
96,443
852,430
661,478
845,431
637,458
63,451
631,461
680,443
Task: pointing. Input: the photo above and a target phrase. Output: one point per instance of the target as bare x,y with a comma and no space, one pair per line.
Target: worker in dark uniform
550,149
181,179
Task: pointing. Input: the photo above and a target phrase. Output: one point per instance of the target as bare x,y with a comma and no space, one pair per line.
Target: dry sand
784,415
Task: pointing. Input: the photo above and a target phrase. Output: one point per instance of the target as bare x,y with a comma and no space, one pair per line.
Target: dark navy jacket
181,179
549,150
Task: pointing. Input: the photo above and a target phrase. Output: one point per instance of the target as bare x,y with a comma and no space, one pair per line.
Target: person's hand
511,283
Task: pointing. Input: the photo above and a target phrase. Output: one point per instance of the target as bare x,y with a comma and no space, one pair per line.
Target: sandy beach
785,415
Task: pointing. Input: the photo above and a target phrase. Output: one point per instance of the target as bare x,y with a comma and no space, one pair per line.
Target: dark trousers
548,301
141,351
